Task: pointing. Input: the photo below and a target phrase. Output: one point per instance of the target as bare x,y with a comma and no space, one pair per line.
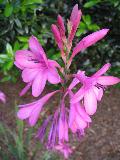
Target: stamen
100,86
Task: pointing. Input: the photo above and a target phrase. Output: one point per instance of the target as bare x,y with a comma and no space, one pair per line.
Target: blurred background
19,19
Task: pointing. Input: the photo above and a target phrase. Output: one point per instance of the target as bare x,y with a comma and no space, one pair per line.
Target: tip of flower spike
105,30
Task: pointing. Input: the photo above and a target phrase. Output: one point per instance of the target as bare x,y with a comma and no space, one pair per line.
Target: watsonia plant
37,69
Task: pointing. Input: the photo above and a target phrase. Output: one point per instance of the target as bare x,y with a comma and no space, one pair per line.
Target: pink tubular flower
63,125
61,27
64,149
32,110
87,42
37,69
78,118
74,22
57,36
93,87
2,97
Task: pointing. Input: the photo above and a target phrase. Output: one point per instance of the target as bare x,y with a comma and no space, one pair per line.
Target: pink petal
36,48
19,66
25,89
102,70
53,76
108,80
80,122
75,81
89,41
98,93
53,63
2,97
71,114
39,83
29,75
35,115
90,102
80,109
78,96
32,110
25,112
57,36
25,59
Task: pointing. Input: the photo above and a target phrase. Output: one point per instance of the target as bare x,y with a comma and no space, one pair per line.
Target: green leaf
91,3
23,39
8,65
18,23
28,2
16,46
8,10
80,32
93,27
9,49
87,19
82,25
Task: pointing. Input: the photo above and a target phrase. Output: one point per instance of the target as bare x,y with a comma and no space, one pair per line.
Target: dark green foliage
19,19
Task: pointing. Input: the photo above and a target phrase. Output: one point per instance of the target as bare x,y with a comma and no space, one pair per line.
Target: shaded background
20,19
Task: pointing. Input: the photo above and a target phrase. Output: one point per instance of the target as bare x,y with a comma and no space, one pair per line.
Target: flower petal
75,80
2,97
53,76
25,58
89,40
108,80
80,122
19,66
25,112
80,109
90,102
78,96
35,115
25,89
39,83
29,75
36,48
98,93
102,70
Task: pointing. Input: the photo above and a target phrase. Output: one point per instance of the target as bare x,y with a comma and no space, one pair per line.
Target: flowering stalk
37,70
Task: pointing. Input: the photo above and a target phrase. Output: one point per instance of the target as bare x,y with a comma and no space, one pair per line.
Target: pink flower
93,87
74,22
87,42
37,69
2,97
32,110
64,149
78,118
63,125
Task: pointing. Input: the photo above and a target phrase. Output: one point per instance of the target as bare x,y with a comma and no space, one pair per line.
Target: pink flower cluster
37,69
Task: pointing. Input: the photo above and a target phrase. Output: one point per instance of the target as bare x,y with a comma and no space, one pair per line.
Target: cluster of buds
65,118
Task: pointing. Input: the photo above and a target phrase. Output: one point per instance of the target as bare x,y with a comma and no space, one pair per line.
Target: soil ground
102,140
